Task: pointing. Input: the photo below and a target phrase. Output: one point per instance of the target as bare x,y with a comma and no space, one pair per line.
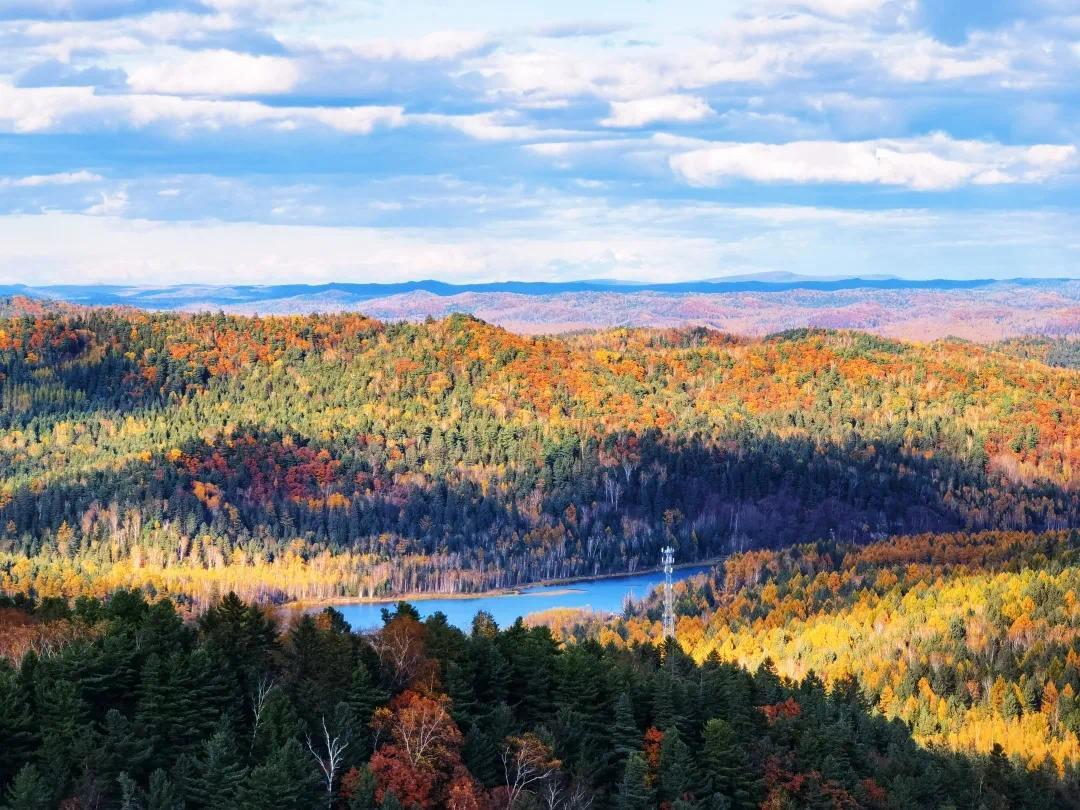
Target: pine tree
625,734
665,702
363,791
131,797
29,791
634,793
725,766
1010,706
285,781
66,735
218,772
676,768
480,756
363,698
162,794
16,726
122,750
168,710
390,802
459,686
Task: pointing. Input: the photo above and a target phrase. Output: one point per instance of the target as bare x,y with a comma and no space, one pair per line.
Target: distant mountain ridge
182,296
918,309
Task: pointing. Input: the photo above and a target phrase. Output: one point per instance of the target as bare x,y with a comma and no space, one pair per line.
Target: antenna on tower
669,603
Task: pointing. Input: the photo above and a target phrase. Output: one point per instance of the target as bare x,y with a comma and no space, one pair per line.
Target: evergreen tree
725,766
363,791
218,772
634,793
16,725
363,698
625,734
665,701
122,750
29,791
162,794
459,686
168,710
66,735
676,767
286,781
131,796
1010,706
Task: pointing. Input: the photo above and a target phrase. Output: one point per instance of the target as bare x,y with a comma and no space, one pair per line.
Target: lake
606,595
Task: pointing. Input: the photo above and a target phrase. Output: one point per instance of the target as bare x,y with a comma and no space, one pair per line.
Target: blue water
607,595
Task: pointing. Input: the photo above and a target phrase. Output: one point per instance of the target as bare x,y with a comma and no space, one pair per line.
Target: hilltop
20,306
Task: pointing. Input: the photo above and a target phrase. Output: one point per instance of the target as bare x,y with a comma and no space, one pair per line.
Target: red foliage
653,739
787,710
395,771
788,788
421,761
465,793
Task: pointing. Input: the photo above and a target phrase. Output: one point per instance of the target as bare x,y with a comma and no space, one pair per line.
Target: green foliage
634,793
29,791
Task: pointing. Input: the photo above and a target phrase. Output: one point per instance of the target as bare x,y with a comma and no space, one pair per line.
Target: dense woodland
297,457
122,705
973,641
895,623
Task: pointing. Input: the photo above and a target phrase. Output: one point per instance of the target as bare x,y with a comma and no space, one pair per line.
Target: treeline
298,457
120,704
973,641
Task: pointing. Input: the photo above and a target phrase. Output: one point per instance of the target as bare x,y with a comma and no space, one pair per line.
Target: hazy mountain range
977,309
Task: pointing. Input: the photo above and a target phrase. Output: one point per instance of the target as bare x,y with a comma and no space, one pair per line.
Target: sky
271,141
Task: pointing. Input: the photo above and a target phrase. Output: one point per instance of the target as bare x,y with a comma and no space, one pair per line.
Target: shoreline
517,590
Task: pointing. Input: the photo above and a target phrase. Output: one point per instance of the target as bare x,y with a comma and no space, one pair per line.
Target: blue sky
164,141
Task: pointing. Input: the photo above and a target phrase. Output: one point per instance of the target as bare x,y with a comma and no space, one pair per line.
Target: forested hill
972,640
19,306
296,457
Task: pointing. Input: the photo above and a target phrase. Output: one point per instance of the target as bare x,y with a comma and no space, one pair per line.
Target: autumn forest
892,619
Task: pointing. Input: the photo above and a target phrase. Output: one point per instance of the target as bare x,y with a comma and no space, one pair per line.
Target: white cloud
840,8
57,179
436,46
492,126
926,61
77,109
930,163
643,111
110,205
553,74
216,73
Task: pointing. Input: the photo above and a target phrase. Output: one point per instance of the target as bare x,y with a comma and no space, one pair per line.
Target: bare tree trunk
331,763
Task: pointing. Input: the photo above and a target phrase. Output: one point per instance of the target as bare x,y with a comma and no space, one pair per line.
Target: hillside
337,455
972,640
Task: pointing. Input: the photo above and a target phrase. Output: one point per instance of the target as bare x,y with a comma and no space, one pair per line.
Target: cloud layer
501,138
